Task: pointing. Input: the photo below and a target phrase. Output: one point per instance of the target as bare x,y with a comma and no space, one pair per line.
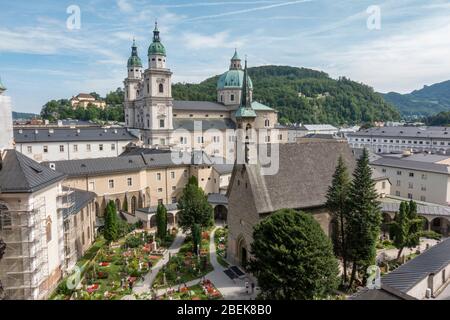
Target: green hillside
304,96
424,102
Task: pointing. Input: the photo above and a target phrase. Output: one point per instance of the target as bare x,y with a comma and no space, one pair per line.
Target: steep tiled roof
304,175
20,174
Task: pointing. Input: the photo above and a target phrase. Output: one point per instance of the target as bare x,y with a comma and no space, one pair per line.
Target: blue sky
40,59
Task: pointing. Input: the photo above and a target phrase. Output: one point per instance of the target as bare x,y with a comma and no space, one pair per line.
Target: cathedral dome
134,60
232,79
156,48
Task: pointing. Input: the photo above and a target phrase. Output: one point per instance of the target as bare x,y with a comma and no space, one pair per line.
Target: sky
393,45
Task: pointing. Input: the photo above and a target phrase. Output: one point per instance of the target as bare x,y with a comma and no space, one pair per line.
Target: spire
235,61
245,109
2,87
156,33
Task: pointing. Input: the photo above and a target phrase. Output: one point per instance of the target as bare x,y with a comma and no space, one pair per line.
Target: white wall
6,124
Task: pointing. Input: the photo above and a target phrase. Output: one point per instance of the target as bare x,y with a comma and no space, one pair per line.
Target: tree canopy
194,207
111,231
293,258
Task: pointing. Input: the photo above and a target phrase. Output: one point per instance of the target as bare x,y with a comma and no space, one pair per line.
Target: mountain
424,102
303,96
23,116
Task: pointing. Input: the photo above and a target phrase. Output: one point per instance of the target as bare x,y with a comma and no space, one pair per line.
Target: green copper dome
134,60
233,79
156,47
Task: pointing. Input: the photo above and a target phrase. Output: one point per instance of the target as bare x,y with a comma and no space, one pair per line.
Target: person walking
253,287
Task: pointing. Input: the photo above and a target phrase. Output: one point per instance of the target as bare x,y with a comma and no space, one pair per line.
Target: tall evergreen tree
196,237
161,221
364,220
111,231
293,258
194,207
338,204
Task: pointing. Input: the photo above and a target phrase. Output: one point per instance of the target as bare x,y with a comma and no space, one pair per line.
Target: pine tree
111,231
337,203
364,220
196,237
161,221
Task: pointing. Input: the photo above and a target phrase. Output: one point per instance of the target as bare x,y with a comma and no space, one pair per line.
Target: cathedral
194,125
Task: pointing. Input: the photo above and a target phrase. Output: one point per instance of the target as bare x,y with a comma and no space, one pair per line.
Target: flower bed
114,270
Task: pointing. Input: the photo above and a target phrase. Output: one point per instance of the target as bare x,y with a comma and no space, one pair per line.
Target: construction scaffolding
24,268
66,208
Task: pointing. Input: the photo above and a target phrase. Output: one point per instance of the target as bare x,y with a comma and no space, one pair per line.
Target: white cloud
124,6
221,39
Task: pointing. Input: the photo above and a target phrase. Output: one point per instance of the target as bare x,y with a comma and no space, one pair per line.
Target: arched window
48,229
267,123
161,88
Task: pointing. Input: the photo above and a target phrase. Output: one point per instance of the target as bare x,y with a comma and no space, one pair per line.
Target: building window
397,193
174,199
399,173
113,147
82,238
383,185
45,149
161,123
280,137
48,229
75,148
174,188
88,148
160,189
129,182
232,97
423,188
158,176
410,185
61,148
5,218
383,170
100,147
410,196
172,175
161,88
91,186
29,149
424,176
399,183
423,198
411,174
111,184
267,123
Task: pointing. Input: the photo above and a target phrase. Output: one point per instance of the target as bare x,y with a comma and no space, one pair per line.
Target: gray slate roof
408,275
132,163
305,173
385,293
68,134
392,204
154,209
80,199
412,165
199,106
20,174
206,123
217,198
406,132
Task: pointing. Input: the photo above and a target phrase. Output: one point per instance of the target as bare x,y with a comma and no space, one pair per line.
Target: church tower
229,85
157,95
6,122
132,84
245,118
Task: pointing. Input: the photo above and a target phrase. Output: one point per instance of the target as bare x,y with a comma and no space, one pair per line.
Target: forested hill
303,96
427,101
